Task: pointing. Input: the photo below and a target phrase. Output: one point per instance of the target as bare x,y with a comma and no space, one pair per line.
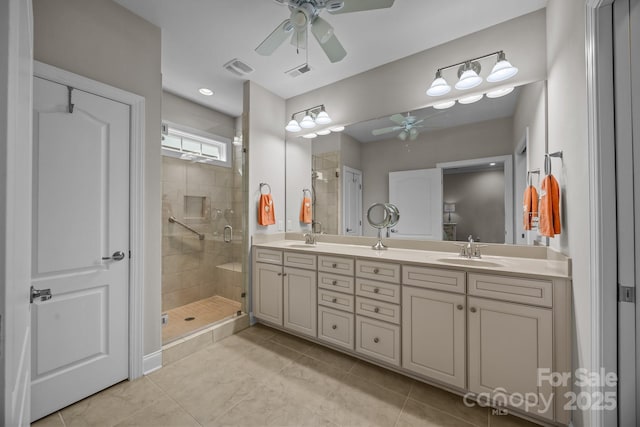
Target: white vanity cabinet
267,285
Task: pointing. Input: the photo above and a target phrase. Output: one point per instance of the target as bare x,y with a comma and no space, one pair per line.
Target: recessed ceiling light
324,132
310,135
205,91
470,99
443,105
337,129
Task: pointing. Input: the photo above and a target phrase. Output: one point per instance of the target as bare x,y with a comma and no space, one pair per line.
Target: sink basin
470,262
301,246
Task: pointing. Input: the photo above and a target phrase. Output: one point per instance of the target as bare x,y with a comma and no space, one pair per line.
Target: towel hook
532,172
306,190
264,184
547,161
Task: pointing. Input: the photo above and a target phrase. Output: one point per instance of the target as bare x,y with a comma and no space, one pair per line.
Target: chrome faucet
471,249
310,239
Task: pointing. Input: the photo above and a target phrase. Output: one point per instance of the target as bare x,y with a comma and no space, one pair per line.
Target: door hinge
626,294
129,254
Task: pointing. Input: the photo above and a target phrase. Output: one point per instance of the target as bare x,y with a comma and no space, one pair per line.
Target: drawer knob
376,270
334,300
279,274
334,283
473,309
334,327
334,265
284,274
376,340
376,310
460,307
376,290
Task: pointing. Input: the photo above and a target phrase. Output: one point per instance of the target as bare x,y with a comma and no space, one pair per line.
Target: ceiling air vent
298,71
238,67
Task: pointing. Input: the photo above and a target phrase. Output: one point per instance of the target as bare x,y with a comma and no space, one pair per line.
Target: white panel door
80,247
418,196
352,202
16,64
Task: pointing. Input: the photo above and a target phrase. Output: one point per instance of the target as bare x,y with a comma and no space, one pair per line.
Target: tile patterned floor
261,377
205,311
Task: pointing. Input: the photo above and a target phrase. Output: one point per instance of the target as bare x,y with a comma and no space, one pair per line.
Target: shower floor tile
204,312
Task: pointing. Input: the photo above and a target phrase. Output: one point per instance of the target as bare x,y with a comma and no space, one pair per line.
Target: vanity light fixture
445,105
324,132
310,135
469,74
312,116
205,91
337,129
499,92
471,99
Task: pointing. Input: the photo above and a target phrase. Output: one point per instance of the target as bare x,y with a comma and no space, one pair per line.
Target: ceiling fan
407,125
305,14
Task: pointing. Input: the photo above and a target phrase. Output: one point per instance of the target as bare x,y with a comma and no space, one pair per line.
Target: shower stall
202,237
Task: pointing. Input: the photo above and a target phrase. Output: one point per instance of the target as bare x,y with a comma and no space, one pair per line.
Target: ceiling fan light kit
469,74
305,14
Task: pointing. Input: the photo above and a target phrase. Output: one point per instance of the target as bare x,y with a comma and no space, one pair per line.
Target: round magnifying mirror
378,216
394,213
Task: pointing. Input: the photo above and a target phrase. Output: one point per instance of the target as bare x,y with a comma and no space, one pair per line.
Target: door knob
117,256
43,294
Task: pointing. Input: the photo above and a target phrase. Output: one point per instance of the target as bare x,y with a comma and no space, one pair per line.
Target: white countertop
450,260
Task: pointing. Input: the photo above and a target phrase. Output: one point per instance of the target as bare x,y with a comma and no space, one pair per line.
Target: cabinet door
267,292
433,334
300,296
508,344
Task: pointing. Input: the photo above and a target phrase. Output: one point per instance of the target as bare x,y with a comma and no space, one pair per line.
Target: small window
196,146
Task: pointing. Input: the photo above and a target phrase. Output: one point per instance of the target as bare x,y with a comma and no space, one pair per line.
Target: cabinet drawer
378,309
338,265
524,290
378,340
378,271
335,300
335,282
268,255
433,278
335,327
378,290
298,260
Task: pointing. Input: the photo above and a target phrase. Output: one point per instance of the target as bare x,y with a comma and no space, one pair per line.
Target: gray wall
351,151
484,139
187,113
479,199
103,41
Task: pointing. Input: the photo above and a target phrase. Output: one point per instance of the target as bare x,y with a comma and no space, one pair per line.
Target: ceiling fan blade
276,38
382,131
333,48
398,118
360,5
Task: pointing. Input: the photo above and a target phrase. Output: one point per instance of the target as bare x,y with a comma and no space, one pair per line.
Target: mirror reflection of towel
530,207
266,210
549,224
305,211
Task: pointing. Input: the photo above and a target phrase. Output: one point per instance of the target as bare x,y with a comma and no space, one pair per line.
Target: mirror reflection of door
352,201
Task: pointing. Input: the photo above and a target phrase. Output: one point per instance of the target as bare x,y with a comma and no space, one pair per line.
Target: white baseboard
152,362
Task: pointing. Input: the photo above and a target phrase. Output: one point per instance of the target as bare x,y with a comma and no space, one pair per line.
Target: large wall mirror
453,173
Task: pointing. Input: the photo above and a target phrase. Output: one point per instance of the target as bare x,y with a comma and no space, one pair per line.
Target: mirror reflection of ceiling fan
407,125
305,14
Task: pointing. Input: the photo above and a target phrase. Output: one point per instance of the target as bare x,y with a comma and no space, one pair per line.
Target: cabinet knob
334,265
334,300
376,340
334,283
284,274
279,274
334,327
460,307
473,309
376,290
376,310
376,270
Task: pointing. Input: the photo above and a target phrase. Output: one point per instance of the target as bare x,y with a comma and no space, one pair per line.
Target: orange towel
266,210
530,207
549,207
305,211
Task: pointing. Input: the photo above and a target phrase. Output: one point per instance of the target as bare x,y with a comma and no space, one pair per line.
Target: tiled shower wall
207,198
327,191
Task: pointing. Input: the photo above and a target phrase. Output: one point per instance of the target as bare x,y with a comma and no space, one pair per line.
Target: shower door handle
228,233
